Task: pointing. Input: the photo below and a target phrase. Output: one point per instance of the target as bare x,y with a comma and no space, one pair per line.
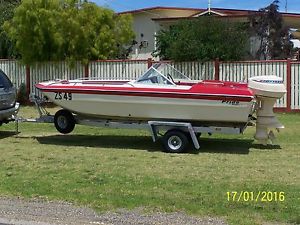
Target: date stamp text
259,196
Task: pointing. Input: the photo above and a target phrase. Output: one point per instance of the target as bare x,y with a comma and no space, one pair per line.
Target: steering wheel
170,78
153,80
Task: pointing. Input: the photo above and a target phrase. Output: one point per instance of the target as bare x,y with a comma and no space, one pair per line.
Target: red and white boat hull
156,95
149,108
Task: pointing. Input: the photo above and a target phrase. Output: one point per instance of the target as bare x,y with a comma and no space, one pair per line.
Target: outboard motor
267,89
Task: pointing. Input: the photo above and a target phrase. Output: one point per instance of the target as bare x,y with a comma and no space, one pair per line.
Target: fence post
28,82
149,61
86,70
288,85
217,69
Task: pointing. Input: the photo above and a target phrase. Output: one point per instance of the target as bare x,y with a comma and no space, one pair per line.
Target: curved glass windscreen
170,72
152,76
162,74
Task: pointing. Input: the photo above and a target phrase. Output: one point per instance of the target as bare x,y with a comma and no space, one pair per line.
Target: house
148,21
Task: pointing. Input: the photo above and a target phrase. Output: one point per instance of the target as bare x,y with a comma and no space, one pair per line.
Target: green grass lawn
109,169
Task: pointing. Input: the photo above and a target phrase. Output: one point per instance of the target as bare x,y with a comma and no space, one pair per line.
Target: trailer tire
175,141
64,121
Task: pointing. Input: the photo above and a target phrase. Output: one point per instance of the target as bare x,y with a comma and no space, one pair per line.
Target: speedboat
164,96
161,93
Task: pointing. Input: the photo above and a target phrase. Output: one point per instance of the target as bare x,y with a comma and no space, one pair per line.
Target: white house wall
143,24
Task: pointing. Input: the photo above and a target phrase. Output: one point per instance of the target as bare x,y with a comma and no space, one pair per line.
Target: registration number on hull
231,102
63,96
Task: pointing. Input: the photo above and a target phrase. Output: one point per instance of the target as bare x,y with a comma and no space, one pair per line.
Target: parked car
8,105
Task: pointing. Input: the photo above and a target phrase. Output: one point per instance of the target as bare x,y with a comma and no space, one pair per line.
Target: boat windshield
162,74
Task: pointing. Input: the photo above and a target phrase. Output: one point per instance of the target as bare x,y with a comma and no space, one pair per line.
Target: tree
204,38
274,38
7,49
67,29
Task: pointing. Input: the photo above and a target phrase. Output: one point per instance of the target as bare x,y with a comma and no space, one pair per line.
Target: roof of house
199,11
229,11
160,8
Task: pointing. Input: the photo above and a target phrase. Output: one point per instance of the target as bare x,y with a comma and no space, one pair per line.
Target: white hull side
146,108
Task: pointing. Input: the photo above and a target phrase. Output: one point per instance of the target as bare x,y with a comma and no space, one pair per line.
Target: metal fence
117,70
131,69
54,70
295,86
241,71
196,70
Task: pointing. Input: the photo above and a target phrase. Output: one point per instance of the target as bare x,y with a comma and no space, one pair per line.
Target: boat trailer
176,137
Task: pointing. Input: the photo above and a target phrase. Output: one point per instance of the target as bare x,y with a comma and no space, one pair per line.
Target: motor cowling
266,89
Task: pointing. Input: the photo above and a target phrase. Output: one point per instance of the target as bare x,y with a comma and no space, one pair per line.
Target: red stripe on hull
154,94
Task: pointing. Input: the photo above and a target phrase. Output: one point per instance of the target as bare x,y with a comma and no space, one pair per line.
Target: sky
293,6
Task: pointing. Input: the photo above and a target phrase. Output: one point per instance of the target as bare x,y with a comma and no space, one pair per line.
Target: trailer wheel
64,121
175,141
